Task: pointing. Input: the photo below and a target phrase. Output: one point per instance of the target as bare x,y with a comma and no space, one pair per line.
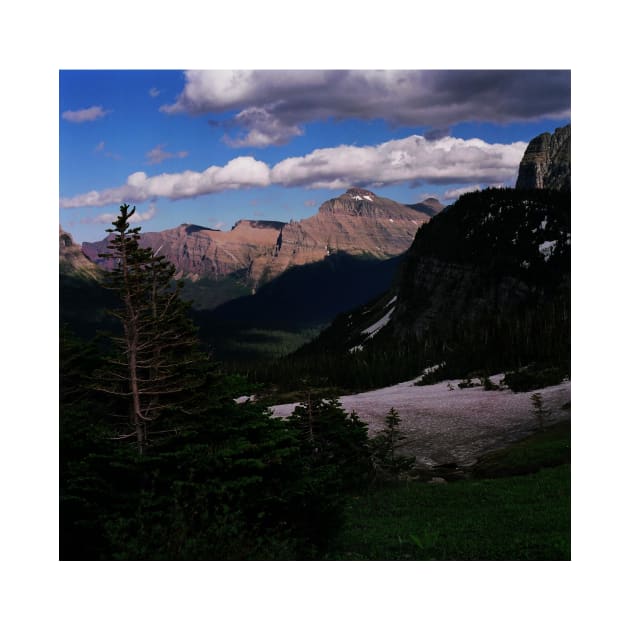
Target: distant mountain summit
355,201
364,203
358,222
547,162
430,206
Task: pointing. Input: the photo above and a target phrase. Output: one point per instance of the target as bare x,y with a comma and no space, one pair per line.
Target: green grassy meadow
490,516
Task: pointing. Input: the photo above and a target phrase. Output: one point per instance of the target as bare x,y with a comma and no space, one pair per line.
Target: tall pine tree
155,365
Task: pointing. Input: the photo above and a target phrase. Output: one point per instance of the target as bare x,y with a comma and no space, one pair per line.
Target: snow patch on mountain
381,323
546,249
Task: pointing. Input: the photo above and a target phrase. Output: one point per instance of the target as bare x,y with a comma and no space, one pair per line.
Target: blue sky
212,147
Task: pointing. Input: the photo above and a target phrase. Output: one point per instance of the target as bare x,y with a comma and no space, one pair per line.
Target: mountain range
289,279
358,223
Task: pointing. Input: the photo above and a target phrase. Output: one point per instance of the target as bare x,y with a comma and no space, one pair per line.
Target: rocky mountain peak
359,202
547,161
359,194
354,202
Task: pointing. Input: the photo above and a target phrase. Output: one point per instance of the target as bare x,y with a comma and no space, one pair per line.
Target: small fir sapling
385,457
540,411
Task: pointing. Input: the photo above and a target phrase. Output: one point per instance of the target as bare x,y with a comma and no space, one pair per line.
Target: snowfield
446,426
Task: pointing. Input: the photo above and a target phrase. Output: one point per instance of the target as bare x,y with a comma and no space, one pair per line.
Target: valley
265,288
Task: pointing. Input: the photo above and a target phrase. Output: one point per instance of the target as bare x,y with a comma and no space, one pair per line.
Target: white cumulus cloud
411,159
241,172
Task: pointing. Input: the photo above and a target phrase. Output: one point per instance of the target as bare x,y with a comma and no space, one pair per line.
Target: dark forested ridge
485,286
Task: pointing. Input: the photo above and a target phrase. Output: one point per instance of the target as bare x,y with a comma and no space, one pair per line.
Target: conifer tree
157,352
332,439
385,454
540,411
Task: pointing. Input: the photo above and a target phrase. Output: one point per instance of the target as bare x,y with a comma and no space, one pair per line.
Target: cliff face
547,162
72,260
357,223
494,258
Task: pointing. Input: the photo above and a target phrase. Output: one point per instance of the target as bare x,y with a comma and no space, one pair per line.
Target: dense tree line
495,342
157,461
